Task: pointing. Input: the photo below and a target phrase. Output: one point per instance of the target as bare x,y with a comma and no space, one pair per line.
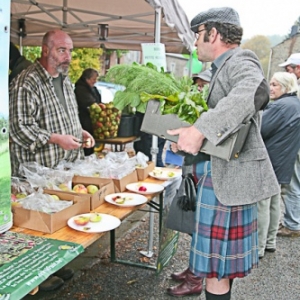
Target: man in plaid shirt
44,122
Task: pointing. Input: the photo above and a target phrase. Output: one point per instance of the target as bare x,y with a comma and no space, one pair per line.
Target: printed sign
156,54
26,261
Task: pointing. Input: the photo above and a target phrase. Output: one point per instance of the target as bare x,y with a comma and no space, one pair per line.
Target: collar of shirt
219,61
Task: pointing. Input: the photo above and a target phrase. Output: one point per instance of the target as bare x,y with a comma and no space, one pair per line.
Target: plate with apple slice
145,188
94,222
125,199
161,174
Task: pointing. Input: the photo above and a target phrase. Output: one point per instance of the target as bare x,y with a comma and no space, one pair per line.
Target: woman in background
280,131
86,95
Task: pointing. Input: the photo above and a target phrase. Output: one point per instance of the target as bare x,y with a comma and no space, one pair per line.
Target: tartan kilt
225,241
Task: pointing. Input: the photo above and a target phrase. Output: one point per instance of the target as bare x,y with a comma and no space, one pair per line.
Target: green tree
83,58
32,53
261,46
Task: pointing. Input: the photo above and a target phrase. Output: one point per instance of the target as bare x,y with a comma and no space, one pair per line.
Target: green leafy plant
144,82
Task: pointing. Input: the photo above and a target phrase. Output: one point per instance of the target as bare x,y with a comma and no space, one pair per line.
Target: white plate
136,199
107,223
164,175
152,188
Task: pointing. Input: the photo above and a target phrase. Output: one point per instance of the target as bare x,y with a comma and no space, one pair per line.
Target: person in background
224,242
17,62
86,95
202,79
290,193
43,112
281,133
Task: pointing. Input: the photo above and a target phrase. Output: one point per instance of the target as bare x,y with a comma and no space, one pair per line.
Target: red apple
80,188
81,220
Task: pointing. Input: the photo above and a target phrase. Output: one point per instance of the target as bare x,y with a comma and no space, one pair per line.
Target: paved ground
277,278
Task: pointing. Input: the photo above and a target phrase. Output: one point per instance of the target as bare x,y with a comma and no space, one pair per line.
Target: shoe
192,285
270,249
64,273
51,283
180,276
284,231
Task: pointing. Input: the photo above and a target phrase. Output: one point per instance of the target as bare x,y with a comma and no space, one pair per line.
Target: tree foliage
82,58
261,46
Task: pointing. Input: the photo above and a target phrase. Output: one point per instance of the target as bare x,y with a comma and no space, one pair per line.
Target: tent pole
154,149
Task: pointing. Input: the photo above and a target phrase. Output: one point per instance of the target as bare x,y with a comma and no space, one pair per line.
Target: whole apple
80,188
92,189
55,197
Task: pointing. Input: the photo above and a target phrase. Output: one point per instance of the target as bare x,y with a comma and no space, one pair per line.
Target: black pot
126,126
138,123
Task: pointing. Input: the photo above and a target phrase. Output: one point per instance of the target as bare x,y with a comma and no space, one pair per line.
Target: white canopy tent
129,23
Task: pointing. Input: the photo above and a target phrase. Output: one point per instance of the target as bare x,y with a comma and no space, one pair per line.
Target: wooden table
118,143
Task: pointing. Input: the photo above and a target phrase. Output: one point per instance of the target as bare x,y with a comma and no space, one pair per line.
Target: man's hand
65,141
190,139
88,140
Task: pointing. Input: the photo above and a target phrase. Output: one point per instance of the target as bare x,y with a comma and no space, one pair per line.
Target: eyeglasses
198,33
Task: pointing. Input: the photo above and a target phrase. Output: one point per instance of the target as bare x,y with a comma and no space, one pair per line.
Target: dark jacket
86,96
281,133
21,64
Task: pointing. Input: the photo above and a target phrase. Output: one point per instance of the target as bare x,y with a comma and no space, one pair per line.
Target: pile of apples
79,188
105,119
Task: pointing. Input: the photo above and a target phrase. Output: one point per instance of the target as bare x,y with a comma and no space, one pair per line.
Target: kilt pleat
224,244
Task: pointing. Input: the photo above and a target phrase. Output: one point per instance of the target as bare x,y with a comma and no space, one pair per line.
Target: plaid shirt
35,112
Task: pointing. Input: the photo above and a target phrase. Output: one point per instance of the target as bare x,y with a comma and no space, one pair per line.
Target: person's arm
24,128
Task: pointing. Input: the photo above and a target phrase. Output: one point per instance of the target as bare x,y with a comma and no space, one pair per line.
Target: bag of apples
105,119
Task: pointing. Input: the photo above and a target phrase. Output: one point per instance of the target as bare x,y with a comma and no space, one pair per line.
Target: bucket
126,126
138,123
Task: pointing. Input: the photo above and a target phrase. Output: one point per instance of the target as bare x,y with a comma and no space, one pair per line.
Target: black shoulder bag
186,195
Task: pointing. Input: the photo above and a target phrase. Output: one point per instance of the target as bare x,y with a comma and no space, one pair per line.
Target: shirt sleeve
24,113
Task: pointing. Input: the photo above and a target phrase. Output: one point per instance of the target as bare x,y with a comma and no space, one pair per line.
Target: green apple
64,187
55,197
95,217
92,189
21,195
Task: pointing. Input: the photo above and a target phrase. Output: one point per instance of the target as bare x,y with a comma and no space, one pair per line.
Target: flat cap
221,15
205,75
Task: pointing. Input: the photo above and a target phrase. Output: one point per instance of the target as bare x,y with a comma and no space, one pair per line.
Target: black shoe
270,249
51,283
64,273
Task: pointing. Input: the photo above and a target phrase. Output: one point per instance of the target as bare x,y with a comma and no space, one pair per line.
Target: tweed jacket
237,92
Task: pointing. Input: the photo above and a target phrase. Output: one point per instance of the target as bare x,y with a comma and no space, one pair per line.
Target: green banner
26,261
168,237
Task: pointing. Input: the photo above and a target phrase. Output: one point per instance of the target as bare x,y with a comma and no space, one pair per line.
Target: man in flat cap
224,243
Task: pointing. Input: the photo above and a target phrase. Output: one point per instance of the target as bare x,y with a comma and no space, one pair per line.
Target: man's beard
63,68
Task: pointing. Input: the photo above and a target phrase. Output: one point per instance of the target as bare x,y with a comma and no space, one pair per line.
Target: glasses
198,33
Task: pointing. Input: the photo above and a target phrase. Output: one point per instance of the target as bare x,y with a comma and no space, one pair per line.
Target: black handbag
186,195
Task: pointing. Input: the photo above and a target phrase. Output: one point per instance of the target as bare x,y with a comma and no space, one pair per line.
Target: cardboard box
142,174
157,124
105,186
50,223
120,184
